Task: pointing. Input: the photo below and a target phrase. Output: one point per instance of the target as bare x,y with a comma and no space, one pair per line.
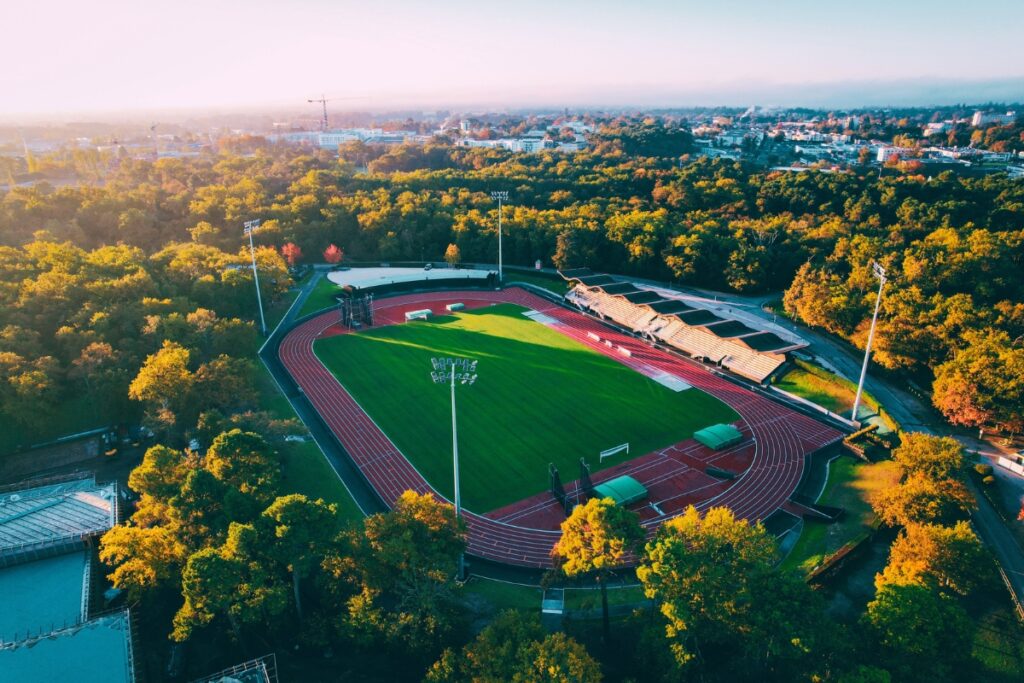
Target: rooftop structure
41,520
366,278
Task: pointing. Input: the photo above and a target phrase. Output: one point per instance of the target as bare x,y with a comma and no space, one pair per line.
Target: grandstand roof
699,317
718,436
766,342
41,596
669,306
619,288
575,273
596,280
45,515
729,329
623,490
644,296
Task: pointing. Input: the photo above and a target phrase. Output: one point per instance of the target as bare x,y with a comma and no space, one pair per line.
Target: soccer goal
614,451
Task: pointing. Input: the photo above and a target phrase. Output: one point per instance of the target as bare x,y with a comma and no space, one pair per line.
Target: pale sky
120,55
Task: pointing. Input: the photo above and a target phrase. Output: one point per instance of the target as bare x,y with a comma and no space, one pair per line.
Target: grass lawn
321,297
541,398
850,484
306,470
500,595
828,390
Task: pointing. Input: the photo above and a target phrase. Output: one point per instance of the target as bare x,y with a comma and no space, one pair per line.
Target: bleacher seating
698,332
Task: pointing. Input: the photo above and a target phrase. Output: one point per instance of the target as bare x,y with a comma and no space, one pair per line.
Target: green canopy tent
623,490
717,437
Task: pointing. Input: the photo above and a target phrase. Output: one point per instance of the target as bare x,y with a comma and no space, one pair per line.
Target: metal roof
619,288
729,329
644,296
669,306
765,342
596,280
699,317
623,490
575,273
45,515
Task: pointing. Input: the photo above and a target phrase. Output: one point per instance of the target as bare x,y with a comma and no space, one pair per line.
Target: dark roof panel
766,342
644,296
698,317
669,306
619,288
596,280
729,329
575,273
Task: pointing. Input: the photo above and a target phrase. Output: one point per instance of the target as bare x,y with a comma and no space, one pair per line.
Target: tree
922,500
160,473
164,383
236,580
702,572
291,252
332,254
401,567
983,382
931,555
514,647
597,537
303,531
143,557
923,635
452,255
936,457
247,464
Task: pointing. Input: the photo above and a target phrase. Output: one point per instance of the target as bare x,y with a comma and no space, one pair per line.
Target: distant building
465,125
982,118
886,154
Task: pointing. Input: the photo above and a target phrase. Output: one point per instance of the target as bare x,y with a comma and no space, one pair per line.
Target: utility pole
879,272
500,196
447,371
323,101
250,227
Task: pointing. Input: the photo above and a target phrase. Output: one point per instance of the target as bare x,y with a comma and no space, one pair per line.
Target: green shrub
984,469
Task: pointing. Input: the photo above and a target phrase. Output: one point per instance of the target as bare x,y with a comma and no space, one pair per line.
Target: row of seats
694,341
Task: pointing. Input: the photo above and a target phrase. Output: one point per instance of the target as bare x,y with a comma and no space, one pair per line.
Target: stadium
614,389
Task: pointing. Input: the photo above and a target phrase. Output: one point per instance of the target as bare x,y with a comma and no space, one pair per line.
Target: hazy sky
109,55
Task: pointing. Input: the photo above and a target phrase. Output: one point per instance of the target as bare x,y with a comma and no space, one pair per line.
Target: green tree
596,538
936,457
922,635
401,567
702,573
246,463
303,533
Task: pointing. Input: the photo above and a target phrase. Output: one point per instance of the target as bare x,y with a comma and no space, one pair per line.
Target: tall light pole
250,228
449,371
500,196
879,272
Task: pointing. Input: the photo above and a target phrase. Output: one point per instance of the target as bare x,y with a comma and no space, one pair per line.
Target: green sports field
541,397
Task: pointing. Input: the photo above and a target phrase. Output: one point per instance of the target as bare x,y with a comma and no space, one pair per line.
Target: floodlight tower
500,196
250,228
449,371
879,272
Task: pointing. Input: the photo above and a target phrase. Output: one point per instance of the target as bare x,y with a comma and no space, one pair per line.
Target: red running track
781,436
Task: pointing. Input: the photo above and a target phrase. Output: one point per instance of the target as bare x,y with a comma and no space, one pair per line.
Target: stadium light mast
449,371
879,272
250,228
500,196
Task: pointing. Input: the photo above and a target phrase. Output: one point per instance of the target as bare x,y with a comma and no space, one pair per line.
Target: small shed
623,490
717,437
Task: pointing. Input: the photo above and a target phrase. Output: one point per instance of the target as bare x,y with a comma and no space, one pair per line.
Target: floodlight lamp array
251,225
500,194
463,369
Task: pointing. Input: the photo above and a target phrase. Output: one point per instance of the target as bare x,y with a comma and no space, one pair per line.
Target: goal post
607,453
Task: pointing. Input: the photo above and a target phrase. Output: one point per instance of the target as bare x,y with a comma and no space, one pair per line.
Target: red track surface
780,437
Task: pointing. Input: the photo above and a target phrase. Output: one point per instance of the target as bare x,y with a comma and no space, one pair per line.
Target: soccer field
540,398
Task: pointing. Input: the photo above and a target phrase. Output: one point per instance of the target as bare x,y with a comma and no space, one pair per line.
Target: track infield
541,397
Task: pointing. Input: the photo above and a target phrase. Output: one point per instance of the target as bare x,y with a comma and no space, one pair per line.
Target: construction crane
323,101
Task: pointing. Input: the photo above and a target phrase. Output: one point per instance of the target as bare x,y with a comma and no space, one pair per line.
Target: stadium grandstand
52,626
682,324
260,670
